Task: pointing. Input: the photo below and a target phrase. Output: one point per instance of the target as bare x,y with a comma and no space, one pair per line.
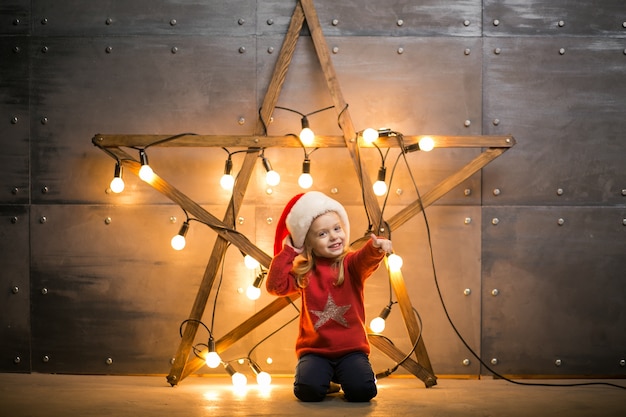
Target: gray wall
89,283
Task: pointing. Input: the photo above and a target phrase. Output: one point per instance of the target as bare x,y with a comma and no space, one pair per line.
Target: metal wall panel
142,85
559,277
14,125
563,99
144,17
15,17
14,296
555,17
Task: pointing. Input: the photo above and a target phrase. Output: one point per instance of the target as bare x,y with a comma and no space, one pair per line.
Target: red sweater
332,318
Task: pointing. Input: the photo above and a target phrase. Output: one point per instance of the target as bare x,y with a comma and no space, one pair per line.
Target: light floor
37,395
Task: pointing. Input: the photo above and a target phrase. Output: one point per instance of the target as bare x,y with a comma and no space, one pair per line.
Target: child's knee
360,393
309,393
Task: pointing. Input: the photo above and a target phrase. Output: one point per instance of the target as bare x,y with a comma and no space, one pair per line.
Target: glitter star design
331,312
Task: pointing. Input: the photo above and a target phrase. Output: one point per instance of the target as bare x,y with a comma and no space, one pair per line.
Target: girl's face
326,236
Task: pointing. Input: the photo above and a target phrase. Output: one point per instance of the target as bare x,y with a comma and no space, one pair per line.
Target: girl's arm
280,281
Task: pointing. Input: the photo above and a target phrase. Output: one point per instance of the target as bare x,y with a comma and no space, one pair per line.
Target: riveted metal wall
91,285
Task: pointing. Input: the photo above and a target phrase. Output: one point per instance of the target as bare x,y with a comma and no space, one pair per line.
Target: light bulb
272,178
250,262
227,182
263,379
380,188
117,185
395,262
426,144
213,359
307,137
253,293
370,135
239,379
145,172
305,180
178,242
377,324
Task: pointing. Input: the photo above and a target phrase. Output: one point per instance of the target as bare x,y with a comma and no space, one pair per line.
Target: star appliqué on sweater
331,312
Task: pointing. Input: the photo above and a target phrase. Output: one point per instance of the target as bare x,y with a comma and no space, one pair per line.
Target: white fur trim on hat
309,207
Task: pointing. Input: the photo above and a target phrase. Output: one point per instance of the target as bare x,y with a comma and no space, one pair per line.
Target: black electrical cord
445,309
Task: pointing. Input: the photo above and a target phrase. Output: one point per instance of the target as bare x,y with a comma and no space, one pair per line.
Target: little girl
312,258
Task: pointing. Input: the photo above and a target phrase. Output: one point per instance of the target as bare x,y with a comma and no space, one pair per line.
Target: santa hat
300,212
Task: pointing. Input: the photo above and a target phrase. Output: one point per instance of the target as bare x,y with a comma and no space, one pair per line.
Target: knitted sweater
332,319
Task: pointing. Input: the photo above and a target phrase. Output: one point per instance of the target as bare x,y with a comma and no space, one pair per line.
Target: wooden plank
385,346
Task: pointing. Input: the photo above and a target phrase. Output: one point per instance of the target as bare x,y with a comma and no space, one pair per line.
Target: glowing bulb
395,262
370,135
117,185
253,292
377,325
239,380
146,173
426,144
305,180
307,137
263,379
178,242
380,188
227,182
213,359
272,178
250,262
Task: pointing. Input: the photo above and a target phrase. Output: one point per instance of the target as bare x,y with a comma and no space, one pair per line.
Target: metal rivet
496,191
14,120
335,49
467,51
562,51
269,220
466,362
495,292
173,22
174,49
467,123
494,361
108,49
17,360
43,219
44,120
241,21
381,230
561,23
242,49
44,291
270,50
45,358
558,362
467,291
44,21
173,219
14,219
466,23
467,192
270,22
400,22
108,21
45,189
44,49
15,289
172,360
496,22
399,191
496,122
495,221
624,222
16,22
559,191
560,222
622,362
334,190
17,49
467,220
240,220
497,51
242,120
624,24
109,361
269,191
624,191
335,22
107,220
400,50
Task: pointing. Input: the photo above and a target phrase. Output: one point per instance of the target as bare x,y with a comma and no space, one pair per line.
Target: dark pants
353,372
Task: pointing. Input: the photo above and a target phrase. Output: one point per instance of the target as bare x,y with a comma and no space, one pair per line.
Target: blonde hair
305,263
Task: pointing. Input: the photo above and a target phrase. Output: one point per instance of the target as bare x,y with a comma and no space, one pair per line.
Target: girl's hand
289,242
383,245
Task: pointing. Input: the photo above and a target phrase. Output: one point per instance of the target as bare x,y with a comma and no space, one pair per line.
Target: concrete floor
36,395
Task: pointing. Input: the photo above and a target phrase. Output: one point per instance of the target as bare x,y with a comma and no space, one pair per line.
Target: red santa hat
300,212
